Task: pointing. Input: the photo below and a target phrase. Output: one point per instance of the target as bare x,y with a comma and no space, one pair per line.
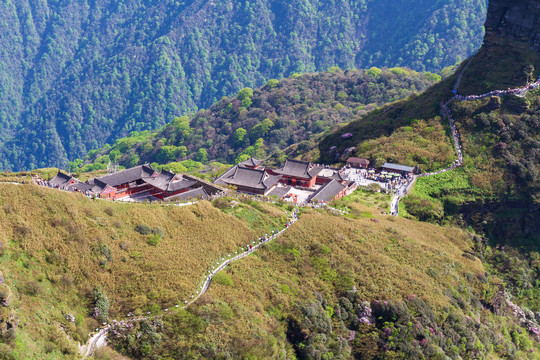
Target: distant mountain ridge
76,75
283,118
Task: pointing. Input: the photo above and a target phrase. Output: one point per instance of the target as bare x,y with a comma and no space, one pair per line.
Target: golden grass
387,259
57,239
194,238
423,142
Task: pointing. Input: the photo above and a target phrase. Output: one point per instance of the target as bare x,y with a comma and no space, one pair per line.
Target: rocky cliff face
515,19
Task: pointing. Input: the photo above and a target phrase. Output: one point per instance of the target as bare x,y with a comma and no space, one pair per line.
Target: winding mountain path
404,189
99,339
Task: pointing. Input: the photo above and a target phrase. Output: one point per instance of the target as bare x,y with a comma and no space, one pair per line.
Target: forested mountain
265,121
78,74
455,276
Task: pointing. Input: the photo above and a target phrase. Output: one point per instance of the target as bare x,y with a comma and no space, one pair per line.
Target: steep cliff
518,20
510,55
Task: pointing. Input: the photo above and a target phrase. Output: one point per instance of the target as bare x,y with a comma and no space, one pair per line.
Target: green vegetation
69,86
423,143
495,194
297,110
371,196
497,190
308,294
94,261
395,121
505,63
71,263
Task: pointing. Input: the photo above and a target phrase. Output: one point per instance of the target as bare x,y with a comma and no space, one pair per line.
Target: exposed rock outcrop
515,19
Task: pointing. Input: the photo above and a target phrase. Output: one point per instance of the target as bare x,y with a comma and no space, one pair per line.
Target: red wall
298,181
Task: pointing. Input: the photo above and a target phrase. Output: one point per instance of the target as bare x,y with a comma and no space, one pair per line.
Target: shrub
423,209
22,231
59,338
432,272
325,249
106,251
6,352
56,222
8,208
136,255
109,211
272,83
374,72
143,229
32,288
223,279
153,239
221,203
101,309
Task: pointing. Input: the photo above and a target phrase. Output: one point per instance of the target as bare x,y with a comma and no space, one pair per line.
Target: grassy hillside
303,297
497,191
70,262
504,63
62,253
397,117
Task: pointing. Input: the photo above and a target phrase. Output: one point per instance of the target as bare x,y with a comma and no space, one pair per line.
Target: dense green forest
78,74
265,121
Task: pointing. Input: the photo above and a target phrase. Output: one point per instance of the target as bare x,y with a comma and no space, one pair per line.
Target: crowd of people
509,91
386,180
106,327
455,136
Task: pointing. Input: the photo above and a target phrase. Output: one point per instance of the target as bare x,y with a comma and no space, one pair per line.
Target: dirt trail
99,339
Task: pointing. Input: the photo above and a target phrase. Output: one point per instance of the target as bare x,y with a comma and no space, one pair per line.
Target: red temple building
141,181
298,173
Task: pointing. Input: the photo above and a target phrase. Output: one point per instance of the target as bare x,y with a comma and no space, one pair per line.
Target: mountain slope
496,192
375,287
266,121
64,254
76,75
69,262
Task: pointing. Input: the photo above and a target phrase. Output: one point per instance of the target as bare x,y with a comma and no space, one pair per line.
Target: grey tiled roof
397,167
128,175
211,189
251,162
279,191
299,169
329,191
81,187
194,193
227,174
180,184
247,177
97,185
61,179
161,181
